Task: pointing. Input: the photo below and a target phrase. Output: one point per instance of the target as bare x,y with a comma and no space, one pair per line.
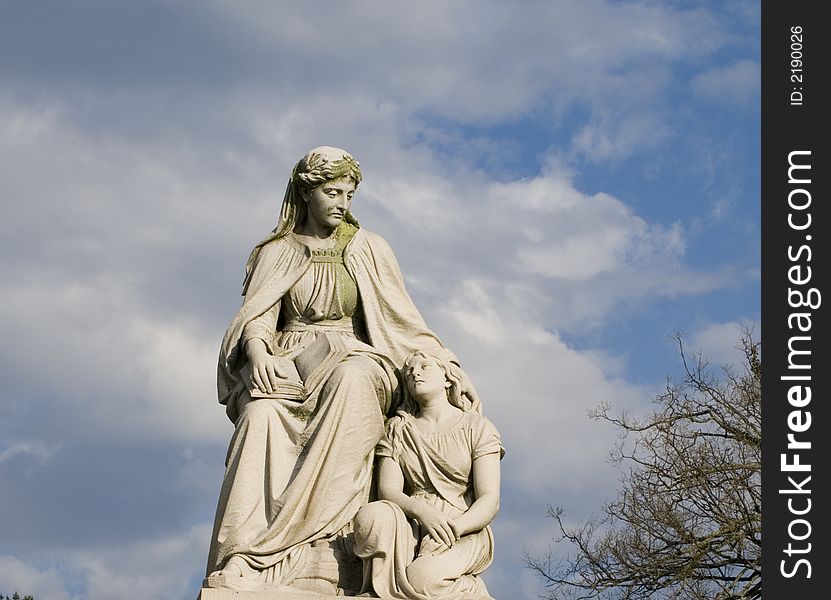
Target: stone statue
307,371
438,479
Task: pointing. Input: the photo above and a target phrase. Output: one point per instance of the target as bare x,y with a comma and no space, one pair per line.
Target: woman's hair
454,392
320,165
324,164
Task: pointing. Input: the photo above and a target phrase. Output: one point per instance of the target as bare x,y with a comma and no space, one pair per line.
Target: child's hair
454,392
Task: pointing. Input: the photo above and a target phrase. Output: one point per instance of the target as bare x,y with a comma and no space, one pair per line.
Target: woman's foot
232,568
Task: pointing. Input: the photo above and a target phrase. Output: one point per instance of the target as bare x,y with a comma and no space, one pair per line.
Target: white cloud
482,64
737,84
123,373
167,568
162,568
719,342
27,579
616,136
37,449
537,390
577,258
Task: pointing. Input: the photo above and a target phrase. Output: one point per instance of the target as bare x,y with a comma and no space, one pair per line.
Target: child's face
424,377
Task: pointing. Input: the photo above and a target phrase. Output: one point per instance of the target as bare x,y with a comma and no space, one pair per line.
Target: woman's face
424,377
327,203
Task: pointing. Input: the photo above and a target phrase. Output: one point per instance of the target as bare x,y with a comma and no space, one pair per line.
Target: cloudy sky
565,184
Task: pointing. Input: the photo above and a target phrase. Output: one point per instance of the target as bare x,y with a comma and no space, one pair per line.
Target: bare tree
687,520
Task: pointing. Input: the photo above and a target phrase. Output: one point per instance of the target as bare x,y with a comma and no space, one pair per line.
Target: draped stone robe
296,472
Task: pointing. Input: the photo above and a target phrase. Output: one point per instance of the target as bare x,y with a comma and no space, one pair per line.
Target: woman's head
423,372
319,166
326,179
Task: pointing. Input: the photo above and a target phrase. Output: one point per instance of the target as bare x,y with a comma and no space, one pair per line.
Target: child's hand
438,525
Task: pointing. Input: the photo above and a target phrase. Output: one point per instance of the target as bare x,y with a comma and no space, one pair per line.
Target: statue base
331,570
226,594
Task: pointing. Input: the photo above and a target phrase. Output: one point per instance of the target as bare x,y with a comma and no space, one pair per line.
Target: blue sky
564,185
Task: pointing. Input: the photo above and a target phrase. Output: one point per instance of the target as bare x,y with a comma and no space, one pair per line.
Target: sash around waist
345,325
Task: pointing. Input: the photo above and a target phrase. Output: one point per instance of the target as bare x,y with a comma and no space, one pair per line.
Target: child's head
424,374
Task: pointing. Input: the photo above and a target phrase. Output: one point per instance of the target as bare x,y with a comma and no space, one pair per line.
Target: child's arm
391,487
486,476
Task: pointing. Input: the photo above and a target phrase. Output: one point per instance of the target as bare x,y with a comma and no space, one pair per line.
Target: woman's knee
256,412
356,370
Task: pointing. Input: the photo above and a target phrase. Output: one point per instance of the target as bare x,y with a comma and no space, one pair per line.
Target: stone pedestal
218,594
331,570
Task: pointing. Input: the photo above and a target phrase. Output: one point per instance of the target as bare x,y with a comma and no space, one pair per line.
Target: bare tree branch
686,522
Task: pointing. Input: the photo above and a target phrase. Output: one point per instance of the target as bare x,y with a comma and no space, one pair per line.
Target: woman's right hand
266,370
438,525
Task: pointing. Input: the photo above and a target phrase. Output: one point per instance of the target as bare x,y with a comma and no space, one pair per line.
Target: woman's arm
266,370
262,327
486,476
391,487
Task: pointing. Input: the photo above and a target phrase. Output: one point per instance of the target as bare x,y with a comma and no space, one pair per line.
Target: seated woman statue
299,465
438,477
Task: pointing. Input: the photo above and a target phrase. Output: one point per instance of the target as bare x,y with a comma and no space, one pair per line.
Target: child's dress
402,561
